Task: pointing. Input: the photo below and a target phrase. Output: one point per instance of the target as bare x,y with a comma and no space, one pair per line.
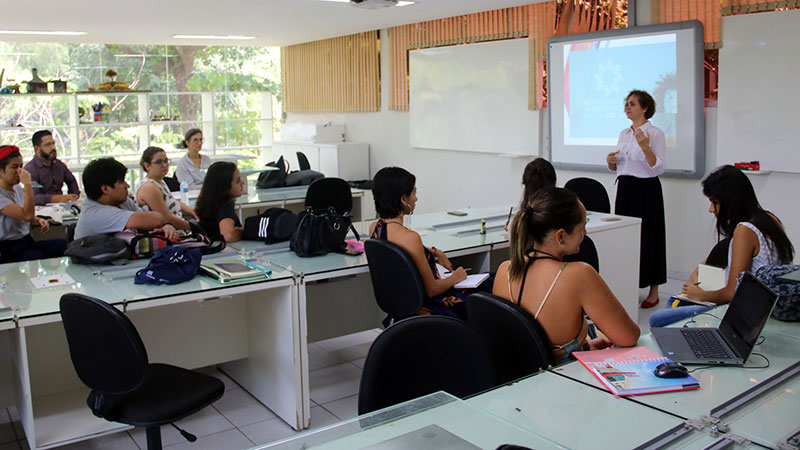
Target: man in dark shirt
50,172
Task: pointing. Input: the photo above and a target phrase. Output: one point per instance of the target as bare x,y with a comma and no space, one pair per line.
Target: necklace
392,221
544,252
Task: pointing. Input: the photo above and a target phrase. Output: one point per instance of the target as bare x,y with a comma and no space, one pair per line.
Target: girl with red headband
17,213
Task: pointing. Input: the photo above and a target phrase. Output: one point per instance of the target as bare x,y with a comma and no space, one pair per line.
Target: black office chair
718,256
69,231
173,183
396,281
110,358
422,355
516,341
302,161
592,193
327,192
586,253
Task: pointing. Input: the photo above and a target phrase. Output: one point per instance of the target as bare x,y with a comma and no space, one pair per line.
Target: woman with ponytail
395,193
558,294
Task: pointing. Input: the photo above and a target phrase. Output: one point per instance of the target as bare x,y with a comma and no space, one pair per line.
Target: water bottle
184,191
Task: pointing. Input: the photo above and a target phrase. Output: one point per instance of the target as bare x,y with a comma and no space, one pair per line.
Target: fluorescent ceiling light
337,1
210,36
50,33
401,3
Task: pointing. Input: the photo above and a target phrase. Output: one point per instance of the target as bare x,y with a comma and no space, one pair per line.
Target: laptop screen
747,314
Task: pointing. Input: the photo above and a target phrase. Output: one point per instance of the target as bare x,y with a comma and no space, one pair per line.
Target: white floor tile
215,372
116,441
344,409
228,440
318,357
7,433
267,431
12,412
358,362
241,408
350,347
202,423
334,382
320,417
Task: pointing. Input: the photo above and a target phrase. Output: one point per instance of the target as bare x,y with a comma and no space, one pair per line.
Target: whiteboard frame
700,126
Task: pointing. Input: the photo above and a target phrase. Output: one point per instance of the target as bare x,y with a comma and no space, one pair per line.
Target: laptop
731,343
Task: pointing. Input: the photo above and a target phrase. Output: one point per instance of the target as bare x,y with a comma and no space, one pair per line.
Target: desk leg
22,383
276,371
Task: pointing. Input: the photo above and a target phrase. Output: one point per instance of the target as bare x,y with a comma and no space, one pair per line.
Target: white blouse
631,159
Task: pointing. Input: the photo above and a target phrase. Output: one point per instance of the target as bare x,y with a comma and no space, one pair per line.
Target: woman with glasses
154,195
193,165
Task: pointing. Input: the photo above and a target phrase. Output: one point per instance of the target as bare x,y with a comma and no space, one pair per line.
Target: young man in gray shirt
108,208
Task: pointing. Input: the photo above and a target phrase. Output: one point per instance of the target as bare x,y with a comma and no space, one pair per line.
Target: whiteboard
759,97
472,98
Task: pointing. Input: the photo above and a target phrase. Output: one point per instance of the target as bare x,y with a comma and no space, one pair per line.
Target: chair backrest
327,192
302,161
592,193
421,355
516,341
69,231
586,253
173,183
398,286
106,350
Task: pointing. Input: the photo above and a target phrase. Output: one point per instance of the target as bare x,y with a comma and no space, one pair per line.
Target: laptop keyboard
705,344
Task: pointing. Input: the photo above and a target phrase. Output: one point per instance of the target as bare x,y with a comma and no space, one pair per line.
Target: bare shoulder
580,273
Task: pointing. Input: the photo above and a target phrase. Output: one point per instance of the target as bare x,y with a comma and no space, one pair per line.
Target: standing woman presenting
638,161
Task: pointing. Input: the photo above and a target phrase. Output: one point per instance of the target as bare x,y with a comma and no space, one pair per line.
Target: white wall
453,179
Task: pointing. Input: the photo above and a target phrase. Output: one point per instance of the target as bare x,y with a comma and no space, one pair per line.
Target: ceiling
273,22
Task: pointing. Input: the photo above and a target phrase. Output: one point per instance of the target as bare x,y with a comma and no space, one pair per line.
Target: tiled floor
238,421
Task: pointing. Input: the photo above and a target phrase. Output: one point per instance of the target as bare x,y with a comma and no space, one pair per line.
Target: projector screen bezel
697,102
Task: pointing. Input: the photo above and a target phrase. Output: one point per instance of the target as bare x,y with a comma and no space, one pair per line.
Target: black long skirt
642,197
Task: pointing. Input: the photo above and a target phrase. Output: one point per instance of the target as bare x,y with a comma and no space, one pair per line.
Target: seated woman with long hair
215,204
395,193
560,294
756,236
538,174
153,193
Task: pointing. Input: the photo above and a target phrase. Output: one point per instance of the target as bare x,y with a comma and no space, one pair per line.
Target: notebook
233,271
710,278
736,336
471,282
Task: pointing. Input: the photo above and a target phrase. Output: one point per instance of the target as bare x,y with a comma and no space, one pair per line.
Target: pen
697,284
510,210
466,269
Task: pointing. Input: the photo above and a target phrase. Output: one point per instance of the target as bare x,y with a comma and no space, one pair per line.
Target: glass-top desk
435,421
765,418
250,329
573,414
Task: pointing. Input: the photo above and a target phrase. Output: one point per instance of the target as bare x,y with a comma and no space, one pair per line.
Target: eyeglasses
161,161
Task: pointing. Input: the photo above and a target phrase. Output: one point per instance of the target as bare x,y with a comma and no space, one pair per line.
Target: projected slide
598,75
589,75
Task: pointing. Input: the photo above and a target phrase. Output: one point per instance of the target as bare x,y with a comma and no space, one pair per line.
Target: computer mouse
671,370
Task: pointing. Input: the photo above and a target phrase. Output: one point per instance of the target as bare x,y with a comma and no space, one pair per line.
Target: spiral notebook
629,371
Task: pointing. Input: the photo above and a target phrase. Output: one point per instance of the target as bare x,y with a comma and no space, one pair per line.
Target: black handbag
273,178
321,232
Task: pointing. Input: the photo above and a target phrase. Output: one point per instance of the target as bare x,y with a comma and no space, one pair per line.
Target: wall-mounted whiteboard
473,98
759,90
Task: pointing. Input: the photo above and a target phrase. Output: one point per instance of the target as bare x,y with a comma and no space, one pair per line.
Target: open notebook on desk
471,282
709,278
